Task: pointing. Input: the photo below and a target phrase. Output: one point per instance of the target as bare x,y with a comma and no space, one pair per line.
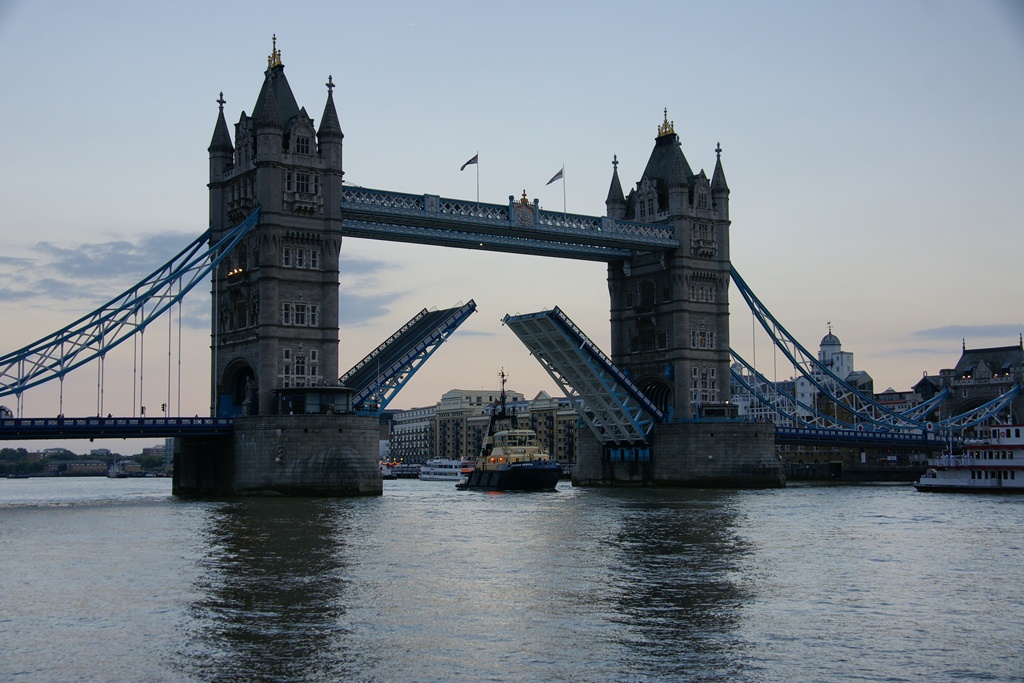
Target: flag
471,161
557,176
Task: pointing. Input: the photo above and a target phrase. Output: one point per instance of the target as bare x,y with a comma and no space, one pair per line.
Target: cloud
359,309
94,273
958,332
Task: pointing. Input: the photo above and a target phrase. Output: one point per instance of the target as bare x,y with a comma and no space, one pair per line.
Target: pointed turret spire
718,177
330,127
267,117
615,196
221,137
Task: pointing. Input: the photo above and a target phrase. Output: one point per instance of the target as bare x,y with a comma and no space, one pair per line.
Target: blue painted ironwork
614,408
866,410
827,382
982,413
925,408
112,427
923,441
91,336
518,227
378,377
784,405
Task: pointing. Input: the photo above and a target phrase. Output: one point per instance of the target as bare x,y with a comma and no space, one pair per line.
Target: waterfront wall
297,455
713,454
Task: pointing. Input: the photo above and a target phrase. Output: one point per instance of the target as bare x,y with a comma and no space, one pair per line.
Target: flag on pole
471,161
557,176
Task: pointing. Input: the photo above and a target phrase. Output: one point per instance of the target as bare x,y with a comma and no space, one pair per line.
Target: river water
116,580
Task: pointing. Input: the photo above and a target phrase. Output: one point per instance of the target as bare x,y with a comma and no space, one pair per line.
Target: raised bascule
655,410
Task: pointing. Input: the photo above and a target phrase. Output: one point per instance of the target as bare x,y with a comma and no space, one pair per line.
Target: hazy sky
874,150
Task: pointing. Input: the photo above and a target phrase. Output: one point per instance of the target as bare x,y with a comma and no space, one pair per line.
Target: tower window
302,145
303,183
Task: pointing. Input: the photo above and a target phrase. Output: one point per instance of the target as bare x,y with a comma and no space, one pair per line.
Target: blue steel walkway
112,427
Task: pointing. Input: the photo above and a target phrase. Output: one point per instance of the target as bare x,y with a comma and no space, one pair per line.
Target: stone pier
297,455
697,454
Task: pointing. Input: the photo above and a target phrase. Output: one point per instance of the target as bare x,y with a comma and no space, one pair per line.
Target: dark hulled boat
510,459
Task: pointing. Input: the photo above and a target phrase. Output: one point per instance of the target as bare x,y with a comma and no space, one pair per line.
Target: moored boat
988,462
443,469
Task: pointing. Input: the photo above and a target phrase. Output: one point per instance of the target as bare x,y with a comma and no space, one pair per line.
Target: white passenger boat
992,461
443,469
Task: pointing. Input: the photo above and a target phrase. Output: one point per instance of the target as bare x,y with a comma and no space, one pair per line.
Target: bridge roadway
112,427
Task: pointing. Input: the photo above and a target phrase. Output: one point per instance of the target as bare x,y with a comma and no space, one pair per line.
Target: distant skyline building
979,376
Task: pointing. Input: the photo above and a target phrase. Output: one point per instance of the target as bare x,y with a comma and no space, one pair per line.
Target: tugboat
510,458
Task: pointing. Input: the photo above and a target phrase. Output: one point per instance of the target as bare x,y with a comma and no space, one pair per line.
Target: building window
303,183
314,258
286,314
289,181
286,257
300,258
302,145
647,294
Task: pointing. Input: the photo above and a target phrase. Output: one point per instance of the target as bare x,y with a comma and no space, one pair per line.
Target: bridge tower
275,298
275,312
670,310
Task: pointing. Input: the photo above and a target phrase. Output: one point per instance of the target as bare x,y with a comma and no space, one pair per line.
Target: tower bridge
656,408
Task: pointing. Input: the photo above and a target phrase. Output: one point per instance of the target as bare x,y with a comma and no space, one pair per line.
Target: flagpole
477,164
563,190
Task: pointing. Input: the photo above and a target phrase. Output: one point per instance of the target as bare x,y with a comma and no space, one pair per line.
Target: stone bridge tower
670,311
275,298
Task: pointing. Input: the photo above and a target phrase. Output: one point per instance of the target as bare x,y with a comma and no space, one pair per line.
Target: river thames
116,580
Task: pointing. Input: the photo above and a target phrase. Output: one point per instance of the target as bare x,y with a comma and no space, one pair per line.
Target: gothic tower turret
616,201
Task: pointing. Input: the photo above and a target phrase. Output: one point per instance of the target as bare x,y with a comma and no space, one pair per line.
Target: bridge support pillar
699,454
292,455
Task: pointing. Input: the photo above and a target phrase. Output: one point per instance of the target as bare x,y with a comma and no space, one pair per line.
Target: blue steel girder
112,427
982,413
866,409
766,391
517,227
378,377
921,410
614,409
91,336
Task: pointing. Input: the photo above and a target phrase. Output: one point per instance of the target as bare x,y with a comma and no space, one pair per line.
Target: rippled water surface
116,580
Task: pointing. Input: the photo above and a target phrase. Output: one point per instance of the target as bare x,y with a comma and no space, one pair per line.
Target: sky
874,152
